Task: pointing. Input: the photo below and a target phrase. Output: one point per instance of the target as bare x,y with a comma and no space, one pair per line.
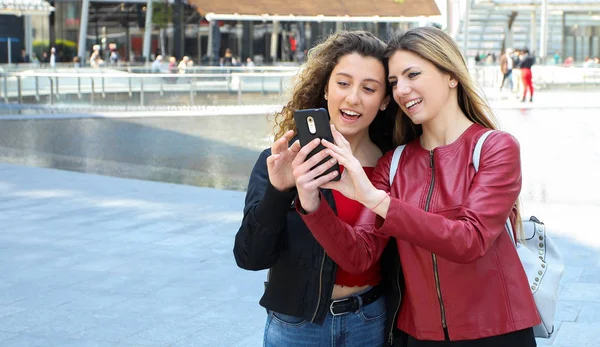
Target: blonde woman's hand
306,172
279,163
354,183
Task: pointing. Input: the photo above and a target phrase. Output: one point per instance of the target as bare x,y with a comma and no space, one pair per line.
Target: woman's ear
385,103
452,82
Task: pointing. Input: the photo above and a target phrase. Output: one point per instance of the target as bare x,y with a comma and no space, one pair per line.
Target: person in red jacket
464,285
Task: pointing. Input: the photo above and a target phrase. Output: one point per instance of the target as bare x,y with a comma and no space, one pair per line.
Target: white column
274,40
148,31
544,32
209,46
163,50
28,35
532,31
466,30
509,37
450,27
9,45
85,9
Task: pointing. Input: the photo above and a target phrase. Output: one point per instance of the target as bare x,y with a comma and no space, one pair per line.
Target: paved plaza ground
90,260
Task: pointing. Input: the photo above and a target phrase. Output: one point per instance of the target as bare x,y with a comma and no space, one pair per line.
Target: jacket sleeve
354,248
480,219
265,218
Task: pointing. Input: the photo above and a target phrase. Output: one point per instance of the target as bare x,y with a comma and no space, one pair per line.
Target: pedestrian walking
526,64
506,67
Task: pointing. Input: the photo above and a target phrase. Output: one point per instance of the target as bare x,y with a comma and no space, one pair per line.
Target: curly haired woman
310,300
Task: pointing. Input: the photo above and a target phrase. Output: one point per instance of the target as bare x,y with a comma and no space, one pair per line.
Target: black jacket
301,275
527,62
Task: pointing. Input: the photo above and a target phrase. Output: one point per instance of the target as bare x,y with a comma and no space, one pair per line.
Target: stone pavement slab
91,260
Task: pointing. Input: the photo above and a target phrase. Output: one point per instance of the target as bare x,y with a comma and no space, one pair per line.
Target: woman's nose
402,89
352,97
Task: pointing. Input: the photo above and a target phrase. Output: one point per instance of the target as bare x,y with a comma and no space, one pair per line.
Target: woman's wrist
375,199
310,203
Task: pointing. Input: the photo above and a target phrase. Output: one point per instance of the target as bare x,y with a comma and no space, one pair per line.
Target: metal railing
144,68
94,86
543,76
89,86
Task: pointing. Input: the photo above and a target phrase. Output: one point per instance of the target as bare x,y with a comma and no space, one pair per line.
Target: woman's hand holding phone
279,163
354,183
306,175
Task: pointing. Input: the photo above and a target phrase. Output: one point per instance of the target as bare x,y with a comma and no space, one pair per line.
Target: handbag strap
395,161
476,157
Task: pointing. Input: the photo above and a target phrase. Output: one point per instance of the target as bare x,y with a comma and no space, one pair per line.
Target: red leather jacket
461,271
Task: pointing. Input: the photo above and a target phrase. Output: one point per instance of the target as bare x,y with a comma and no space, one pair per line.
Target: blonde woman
464,285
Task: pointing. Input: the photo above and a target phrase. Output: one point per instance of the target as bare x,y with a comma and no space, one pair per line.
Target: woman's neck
364,149
444,129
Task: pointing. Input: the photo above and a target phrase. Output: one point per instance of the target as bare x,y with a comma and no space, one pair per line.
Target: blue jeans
363,328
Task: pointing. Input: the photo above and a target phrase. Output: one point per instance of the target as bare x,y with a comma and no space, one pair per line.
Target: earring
325,96
452,84
383,107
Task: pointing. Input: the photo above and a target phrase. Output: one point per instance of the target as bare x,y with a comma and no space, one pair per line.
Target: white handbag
542,262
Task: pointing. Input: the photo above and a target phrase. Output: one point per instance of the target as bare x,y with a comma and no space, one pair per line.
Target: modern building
266,31
18,17
565,28
279,31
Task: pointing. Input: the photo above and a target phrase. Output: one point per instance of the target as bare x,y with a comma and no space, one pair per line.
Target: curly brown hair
310,83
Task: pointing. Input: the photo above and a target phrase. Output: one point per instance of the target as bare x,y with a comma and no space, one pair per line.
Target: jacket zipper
433,256
391,335
320,288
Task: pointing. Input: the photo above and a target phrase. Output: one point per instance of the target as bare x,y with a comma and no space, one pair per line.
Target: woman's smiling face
418,86
355,93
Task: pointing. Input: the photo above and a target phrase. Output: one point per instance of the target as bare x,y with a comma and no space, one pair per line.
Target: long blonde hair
440,49
310,83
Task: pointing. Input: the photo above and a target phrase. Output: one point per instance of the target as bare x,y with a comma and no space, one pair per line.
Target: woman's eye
393,83
342,83
413,74
370,90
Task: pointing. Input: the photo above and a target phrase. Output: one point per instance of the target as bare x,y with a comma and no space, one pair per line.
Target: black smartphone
311,124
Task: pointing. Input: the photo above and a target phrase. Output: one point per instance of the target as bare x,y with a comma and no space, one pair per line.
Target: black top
527,63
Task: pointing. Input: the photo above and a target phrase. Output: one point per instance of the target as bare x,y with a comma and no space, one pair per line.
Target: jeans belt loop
360,302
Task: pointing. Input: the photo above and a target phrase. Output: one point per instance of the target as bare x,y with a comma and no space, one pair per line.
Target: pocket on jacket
286,290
